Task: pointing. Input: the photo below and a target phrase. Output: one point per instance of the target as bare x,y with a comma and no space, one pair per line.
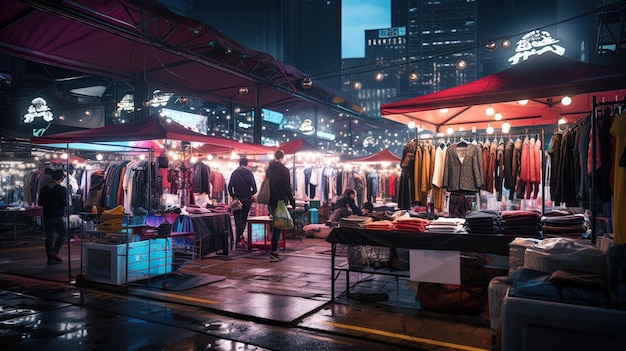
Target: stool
266,223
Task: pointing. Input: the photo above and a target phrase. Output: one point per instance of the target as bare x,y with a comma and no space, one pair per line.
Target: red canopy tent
294,146
141,39
148,130
379,157
542,80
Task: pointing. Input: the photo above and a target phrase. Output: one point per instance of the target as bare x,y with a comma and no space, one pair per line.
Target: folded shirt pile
483,222
522,223
384,224
354,221
411,224
443,225
562,223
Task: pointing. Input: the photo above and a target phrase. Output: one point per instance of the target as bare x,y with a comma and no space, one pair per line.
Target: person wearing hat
53,199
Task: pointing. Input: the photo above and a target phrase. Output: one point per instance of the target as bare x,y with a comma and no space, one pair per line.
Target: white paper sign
435,266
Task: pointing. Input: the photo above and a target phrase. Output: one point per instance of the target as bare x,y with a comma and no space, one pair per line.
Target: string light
566,100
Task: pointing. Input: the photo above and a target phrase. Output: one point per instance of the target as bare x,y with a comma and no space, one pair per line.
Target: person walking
280,189
242,186
53,199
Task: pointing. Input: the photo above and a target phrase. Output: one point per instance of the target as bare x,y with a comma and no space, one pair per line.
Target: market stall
579,101
529,95
154,135
381,175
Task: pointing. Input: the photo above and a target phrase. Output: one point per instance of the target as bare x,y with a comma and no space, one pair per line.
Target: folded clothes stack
560,223
443,225
411,224
483,222
354,221
522,223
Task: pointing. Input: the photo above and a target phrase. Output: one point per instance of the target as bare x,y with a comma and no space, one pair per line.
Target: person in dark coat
242,186
53,199
280,189
345,206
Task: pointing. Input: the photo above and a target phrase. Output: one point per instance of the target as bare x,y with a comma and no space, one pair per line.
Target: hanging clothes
462,170
618,131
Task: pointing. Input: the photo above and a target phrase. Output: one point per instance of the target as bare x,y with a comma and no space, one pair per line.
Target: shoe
53,256
274,257
242,245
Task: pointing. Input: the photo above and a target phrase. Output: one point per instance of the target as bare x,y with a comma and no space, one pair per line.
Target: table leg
249,243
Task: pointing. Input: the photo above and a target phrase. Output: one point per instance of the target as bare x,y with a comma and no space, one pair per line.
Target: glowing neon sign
536,42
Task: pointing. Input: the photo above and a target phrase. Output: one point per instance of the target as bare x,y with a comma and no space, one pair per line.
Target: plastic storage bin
314,215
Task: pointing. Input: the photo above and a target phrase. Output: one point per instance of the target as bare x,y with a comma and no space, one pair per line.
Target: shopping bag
282,218
263,197
235,204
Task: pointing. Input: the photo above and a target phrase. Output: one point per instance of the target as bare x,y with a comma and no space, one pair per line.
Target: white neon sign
38,108
536,42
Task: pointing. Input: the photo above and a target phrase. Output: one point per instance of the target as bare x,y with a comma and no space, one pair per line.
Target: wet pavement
235,302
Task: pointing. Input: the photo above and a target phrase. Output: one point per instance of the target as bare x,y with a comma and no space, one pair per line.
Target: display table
492,244
16,216
210,230
260,230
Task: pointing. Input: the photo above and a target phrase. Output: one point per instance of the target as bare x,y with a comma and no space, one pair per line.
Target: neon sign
307,127
536,42
38,108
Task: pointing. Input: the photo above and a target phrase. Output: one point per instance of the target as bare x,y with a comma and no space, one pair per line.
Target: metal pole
67,217
543,171
592,205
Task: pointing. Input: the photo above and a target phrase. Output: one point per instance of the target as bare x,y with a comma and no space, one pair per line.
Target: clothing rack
594,131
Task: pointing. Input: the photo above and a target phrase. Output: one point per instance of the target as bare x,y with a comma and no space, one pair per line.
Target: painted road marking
406,337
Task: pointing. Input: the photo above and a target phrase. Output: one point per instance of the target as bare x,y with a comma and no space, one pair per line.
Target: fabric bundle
411,224
483,222
444,225
354,221
522,223
562,223
384,224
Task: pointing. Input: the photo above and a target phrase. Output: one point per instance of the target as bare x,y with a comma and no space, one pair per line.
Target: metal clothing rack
594,130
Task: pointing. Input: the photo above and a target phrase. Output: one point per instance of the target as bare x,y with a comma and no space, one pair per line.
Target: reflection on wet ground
258,305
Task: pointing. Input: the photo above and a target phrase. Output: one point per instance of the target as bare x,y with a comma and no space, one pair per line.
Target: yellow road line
406,337
187,298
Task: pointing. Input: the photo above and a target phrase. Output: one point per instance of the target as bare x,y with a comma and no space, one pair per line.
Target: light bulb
490,129
490,111
566,100
522,102
450,130
411,124
506,127
443,110
498,116
99,157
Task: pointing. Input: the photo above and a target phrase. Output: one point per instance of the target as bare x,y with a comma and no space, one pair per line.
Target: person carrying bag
280,192
241,188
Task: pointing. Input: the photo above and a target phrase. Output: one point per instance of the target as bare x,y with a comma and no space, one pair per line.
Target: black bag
235,204
263,197
463,299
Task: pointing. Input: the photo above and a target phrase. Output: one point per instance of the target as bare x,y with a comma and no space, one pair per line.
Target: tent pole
67,217
592,205
543,171
150,157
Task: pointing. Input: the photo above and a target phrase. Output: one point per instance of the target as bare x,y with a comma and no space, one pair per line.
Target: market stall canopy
542,80
141,40
295,146
147,133
379,157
